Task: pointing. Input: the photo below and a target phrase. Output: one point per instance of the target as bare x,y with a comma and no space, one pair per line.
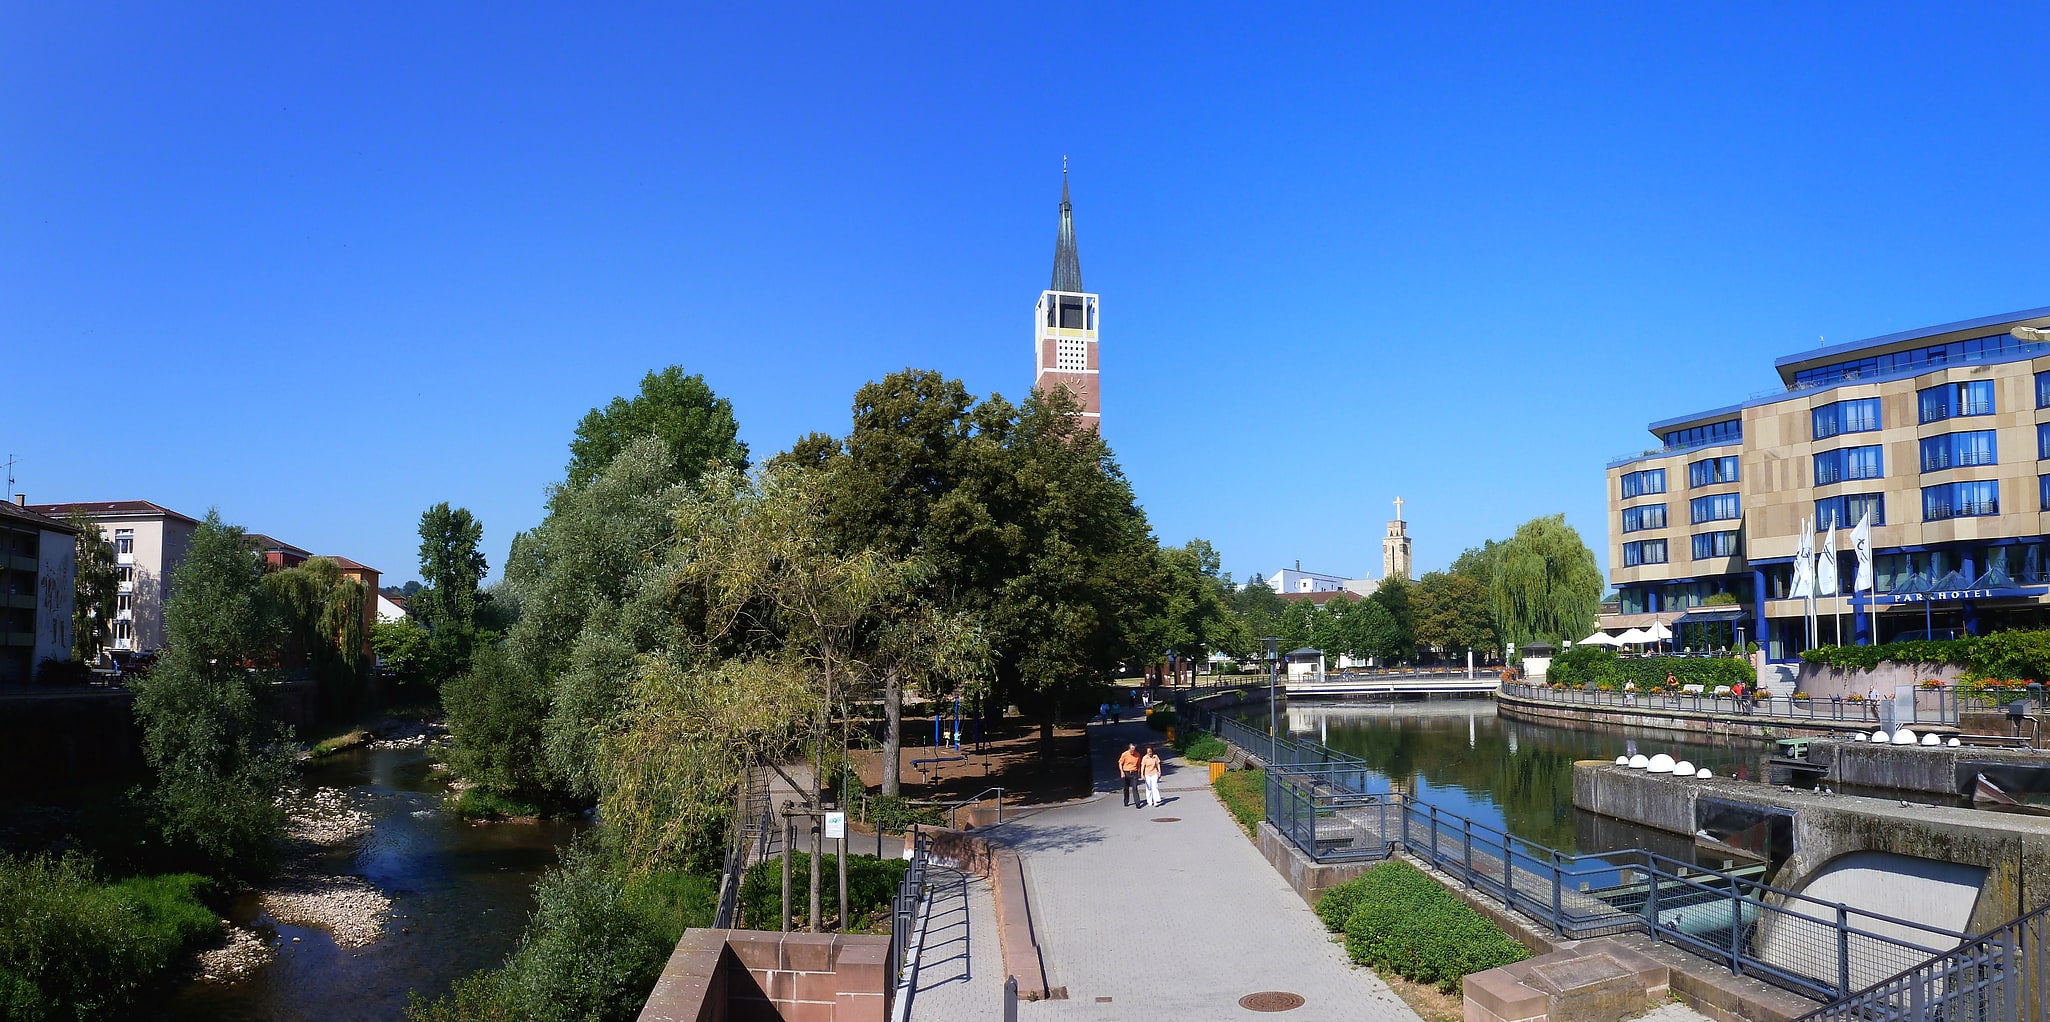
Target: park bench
1722,690
1694,690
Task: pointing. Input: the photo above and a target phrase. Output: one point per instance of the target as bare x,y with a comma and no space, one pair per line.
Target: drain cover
1271,1000
1167,819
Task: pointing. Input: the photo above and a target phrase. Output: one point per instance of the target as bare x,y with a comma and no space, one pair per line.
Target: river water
1459,755
460,895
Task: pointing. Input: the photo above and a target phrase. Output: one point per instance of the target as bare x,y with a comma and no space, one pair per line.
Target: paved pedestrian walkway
960,968
1169,912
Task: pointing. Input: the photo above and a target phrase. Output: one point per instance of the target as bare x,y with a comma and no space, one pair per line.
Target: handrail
2003,974
952,807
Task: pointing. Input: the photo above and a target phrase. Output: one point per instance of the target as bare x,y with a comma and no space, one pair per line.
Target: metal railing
904,922
948,809
2001,976
1336,808
1932,706
753,823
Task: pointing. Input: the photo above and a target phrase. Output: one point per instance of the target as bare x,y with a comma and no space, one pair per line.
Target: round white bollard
1905,736
1703,773
1639,762
1683,769
1880,736
1857,736
1660,764
1622,761
1931,740
1953,743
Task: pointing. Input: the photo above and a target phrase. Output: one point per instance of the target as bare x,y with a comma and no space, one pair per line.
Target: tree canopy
1545,583
697,426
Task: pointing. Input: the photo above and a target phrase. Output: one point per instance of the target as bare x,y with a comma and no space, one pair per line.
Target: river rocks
323,817
408,735
240,953
346,907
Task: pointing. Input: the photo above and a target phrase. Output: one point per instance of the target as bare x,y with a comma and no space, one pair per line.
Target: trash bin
1216,770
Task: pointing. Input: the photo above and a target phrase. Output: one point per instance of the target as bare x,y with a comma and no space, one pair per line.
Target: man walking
1128,769
1149,768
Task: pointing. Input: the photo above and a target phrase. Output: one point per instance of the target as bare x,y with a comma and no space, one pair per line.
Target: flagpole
1835,583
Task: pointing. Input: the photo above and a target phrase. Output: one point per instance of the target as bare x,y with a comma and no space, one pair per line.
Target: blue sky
324,268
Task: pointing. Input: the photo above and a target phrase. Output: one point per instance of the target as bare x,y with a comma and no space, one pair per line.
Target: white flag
1825,565
1861,542
1804,564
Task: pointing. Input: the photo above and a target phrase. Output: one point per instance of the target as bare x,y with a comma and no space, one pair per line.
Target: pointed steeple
1067,267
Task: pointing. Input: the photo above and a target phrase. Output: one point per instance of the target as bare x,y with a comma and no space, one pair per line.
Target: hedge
1199,746
871,884
1399,919
1996,661
1601,667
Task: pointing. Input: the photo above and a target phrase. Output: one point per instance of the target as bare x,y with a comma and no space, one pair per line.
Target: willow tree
322,612
1545,583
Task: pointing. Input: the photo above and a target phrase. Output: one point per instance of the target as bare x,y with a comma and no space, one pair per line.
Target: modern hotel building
1942,433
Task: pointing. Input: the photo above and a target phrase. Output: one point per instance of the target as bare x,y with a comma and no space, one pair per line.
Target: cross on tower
1398,509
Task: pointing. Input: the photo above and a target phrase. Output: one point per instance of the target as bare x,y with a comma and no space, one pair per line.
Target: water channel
1459,755
460,895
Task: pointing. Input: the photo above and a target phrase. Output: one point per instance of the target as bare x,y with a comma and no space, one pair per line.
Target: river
460,895
1459,755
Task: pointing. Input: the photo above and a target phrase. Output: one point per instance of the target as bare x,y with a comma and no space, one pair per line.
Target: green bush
871,884
1162,718
1601,667
1865,658
1200,746
1244,792
1404,921
2021,655
1337,903
484,804
73,946
896,814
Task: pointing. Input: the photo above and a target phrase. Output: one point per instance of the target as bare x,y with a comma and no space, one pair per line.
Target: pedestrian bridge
1351,684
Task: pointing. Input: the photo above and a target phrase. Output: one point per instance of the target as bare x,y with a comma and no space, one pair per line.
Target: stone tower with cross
1395,547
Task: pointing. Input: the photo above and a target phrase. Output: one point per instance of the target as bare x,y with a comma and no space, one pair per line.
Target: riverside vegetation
1395,917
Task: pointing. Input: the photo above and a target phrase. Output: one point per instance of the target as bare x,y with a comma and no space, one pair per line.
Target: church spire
1067,267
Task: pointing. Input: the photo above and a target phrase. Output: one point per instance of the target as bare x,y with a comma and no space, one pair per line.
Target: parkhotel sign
1960,594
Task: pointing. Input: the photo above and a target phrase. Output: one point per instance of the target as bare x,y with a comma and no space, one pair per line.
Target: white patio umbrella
1658,632
1633,637
1600,639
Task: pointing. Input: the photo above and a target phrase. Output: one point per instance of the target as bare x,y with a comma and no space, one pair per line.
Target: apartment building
149,540
38,568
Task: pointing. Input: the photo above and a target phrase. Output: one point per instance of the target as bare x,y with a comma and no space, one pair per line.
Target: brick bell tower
1065,323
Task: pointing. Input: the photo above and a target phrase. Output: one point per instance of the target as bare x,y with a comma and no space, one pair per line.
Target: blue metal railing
904,920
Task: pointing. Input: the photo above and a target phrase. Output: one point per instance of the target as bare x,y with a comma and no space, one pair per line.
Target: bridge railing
2001,976
1335,807
904,922
1932,706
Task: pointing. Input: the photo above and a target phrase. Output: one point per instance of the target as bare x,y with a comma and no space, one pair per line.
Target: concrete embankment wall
1936,770
1542,711
2013,850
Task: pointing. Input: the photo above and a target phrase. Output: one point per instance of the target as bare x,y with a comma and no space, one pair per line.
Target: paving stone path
1168,912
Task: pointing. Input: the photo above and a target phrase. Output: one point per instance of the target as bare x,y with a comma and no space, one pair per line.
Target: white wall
56,578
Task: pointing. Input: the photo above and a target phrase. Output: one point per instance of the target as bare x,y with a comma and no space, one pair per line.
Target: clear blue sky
324,268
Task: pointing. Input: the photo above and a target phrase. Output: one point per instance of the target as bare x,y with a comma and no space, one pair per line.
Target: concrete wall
1821,681
715,975
56,586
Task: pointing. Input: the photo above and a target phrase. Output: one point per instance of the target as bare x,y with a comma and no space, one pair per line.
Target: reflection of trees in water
1524,770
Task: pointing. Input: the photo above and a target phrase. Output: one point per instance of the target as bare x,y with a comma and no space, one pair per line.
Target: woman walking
1149,768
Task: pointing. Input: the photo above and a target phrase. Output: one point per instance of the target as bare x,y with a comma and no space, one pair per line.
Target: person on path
1128,769
1872,702
1149,768
1103,713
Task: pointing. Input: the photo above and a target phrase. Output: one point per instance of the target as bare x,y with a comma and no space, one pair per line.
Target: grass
1244,792
1397,919
73,945
330,746
479,804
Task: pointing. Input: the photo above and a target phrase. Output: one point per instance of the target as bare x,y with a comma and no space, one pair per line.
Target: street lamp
1273,679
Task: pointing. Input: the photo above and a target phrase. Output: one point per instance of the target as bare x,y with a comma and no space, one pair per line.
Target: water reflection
460,896
1460,756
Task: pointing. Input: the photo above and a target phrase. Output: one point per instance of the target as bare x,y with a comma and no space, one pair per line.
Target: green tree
1258,609
454,568
1394,596
401,647
94,591
495,711
1546,584
322,612
1371,632
696,424
1194,615
218,755
1453,614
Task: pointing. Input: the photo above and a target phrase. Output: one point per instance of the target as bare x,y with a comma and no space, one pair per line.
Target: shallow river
1457,754
460,895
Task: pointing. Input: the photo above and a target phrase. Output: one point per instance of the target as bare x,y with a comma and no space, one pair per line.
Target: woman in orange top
1149,768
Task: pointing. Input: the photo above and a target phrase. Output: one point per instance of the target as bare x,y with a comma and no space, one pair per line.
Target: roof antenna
10,473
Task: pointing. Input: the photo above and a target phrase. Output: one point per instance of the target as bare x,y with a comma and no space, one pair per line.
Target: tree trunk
893,731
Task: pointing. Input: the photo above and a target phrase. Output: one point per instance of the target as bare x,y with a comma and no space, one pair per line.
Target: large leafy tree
219,756
1453,613
454,570
1394,596
95,591
1194,614
1545,583
1258,609
697,426
322,613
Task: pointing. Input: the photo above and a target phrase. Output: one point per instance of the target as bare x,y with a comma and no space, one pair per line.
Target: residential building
277,553
149,541
1941,434
1292,581
38,572
1064,324
390,610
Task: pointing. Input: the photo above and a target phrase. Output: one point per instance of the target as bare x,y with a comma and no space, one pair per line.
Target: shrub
1601,667
1337,903
73,946
484,804
1200,746
895,813
1404,921
871,884
1244,793
1161,718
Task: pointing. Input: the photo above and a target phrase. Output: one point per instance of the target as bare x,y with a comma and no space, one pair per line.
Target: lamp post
1273,679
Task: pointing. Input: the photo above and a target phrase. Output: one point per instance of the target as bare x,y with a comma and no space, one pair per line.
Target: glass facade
1714,544
2043,441
1726,431
1644,551
1721,507
1955,400
1859,416
1849,463
1956,450
1711,471
1961,500
1848,508
1637,484
1916,359
2043,390
1648,516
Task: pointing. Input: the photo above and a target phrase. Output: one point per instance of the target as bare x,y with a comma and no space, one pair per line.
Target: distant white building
1289,581
388,611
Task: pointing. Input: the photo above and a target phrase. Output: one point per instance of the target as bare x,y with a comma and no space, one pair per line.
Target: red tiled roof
111,509
34,519
349,565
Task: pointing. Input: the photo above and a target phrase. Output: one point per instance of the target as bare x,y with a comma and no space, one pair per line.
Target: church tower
1395,547
1065,323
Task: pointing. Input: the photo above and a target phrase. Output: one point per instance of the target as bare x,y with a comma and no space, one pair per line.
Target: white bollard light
1660,764
1639,762
1880,737
1622,761
1683,769
1905,736
1703,773
1931,740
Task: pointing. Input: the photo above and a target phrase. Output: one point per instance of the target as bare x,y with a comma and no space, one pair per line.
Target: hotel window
1955,400
1960,500
1714,544
2044,483
1849,463
123,632
1710,471
1644,551
1637,484
1648,516
1848,509
1956,450
124,541
1721,507
2043,390
1728,431
1860,416
124,603
2043,441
